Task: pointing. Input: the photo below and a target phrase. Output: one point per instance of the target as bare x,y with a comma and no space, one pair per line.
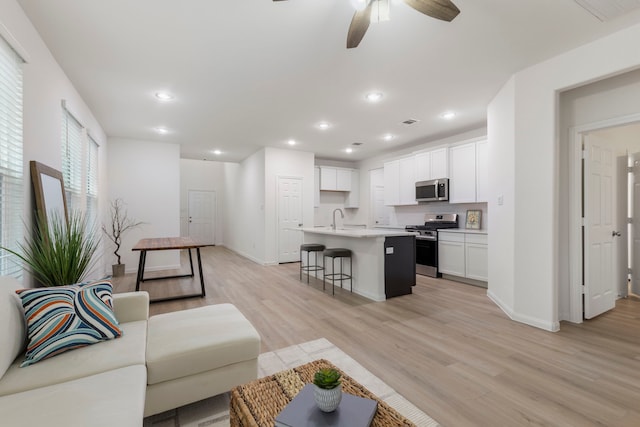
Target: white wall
288,164
244,208
531,108
146,176
202,175
501,131
45,85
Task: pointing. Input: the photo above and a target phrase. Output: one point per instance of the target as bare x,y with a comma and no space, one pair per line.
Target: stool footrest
338,276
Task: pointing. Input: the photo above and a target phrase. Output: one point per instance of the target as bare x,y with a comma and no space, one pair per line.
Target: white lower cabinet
451,254
463,255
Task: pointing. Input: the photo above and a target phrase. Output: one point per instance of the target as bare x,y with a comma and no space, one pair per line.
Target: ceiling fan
444,10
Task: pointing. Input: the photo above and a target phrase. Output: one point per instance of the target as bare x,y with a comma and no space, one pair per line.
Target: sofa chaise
159,363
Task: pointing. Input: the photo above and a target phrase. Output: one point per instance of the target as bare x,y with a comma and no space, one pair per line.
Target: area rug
214,412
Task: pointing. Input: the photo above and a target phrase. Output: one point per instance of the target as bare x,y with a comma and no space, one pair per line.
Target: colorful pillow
67,317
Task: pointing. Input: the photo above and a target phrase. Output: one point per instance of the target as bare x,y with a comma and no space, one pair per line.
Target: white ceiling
254,73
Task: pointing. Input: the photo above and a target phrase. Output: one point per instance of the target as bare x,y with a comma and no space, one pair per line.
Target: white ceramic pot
328,400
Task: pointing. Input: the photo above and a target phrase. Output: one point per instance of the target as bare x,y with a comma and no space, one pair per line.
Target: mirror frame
37,170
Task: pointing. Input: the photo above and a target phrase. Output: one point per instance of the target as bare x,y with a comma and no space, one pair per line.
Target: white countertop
463,230
356,232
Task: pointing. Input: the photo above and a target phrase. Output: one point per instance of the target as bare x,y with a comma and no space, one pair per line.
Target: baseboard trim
527,320
245,255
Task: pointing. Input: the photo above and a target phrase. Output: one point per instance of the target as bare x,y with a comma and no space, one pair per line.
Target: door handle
616,234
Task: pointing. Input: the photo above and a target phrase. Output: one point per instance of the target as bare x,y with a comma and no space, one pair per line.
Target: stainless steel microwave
435,190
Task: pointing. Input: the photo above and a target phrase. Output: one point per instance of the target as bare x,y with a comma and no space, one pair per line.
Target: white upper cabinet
482,171
469,172
328,179
407,181
462,184
335,179
400,182
343,179
432,164
392,183
423,166
440,163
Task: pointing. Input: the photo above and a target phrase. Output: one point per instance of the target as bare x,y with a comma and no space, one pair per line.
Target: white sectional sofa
157,364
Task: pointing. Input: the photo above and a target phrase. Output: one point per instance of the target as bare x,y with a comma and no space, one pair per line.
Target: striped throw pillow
67,317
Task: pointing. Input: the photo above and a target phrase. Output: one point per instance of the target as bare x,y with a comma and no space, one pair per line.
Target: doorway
202,216
379,211
602,225
289,218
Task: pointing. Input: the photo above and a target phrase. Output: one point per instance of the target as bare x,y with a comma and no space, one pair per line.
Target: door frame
575,208
278,178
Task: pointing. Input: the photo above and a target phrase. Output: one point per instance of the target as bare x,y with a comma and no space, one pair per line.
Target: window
72,170
92,179
79,167
11,170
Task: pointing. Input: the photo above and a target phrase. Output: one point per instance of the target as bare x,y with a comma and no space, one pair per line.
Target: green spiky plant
59,252
327,378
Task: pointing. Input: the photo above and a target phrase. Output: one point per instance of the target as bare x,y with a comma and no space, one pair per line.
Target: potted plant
328,389
120,223
59,252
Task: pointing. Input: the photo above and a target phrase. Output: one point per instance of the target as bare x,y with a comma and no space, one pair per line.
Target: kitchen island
384,261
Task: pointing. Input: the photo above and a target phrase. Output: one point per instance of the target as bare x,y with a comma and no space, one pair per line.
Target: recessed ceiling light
448,115
162,130
373,96
291,142
217,152
388,137
164,96
324,125
349,150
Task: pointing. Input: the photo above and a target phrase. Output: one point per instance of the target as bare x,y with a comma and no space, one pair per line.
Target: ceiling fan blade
439,9
359,25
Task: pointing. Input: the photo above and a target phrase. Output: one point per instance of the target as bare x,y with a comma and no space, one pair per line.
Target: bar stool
308,248
340,253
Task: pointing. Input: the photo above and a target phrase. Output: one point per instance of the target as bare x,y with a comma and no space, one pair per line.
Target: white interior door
202,216
289,218
635,226
599,281
378,208
621,242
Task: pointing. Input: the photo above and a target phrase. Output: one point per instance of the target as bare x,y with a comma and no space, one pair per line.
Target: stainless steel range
427,241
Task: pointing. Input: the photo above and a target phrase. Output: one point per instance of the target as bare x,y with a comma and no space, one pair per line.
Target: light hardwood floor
447,348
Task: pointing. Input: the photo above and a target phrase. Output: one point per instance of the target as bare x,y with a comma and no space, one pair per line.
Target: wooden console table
164,244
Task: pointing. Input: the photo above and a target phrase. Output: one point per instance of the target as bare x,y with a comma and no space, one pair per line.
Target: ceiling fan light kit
378,11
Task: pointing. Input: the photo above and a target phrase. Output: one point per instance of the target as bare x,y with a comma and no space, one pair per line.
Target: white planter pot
328,400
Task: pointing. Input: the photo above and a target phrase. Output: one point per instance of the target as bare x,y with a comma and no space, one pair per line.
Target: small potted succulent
328,389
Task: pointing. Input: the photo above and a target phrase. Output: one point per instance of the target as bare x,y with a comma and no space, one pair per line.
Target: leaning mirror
48,188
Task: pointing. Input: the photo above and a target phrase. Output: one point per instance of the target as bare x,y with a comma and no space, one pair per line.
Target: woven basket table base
258,403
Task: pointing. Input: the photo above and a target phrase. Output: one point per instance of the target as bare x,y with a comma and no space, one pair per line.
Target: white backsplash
414,215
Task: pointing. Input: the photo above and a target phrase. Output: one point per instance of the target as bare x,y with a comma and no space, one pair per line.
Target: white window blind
92,180
11,170
72,164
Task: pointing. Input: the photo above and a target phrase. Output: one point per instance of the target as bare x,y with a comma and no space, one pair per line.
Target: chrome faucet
334,217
